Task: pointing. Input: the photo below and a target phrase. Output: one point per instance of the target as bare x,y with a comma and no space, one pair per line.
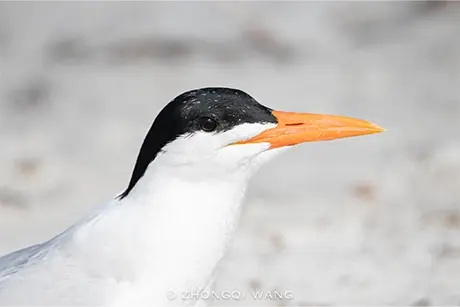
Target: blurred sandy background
370,220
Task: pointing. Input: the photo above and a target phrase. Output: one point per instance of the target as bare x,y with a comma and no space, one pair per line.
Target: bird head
213,131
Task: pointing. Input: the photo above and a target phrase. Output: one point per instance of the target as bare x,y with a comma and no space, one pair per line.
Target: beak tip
379,129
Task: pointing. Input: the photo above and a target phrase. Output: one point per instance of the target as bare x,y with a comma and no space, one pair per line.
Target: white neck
170,232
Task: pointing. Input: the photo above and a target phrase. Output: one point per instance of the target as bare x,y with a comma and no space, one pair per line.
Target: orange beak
296,128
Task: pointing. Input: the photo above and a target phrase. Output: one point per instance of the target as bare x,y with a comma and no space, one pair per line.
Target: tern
172,225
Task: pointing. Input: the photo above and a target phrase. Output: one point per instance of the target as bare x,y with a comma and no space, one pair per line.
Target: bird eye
207,124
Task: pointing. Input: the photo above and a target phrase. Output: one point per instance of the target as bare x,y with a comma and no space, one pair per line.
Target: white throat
170,232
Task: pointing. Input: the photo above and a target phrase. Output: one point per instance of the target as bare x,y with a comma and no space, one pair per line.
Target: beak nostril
294,124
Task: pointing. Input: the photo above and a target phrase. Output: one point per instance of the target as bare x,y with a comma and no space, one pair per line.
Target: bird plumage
170,233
